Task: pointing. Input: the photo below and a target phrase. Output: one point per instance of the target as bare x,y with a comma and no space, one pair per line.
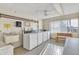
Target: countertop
33,32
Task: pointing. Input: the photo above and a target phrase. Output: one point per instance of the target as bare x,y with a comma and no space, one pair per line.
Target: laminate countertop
71,46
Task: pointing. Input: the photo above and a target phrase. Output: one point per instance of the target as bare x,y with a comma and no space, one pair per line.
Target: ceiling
38,11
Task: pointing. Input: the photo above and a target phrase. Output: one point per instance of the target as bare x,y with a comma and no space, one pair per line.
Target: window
74,25
70,25
55,26
74,22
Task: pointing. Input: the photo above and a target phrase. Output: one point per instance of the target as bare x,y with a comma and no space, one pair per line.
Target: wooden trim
16,18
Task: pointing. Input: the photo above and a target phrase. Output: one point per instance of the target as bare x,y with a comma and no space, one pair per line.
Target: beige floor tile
20,51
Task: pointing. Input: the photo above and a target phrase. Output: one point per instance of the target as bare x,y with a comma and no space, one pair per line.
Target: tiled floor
54,49
71,46
20,51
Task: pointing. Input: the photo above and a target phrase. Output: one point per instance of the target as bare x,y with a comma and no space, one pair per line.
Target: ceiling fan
47,10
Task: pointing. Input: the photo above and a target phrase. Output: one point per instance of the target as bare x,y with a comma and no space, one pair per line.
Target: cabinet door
45,36
33,40
40,37
48,35
26,41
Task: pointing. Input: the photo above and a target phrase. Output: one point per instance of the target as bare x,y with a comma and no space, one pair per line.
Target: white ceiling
38,10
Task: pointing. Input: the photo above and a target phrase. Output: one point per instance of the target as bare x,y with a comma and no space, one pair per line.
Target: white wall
40,24
45,24
13,29
9,21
